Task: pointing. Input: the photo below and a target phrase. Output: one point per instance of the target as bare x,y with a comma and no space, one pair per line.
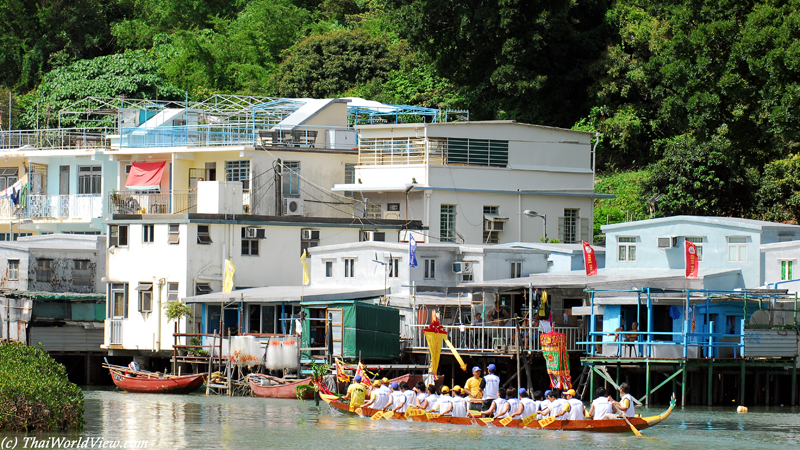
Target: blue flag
412,251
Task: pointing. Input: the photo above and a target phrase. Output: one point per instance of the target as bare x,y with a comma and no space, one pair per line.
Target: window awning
144,287
495,218
145,175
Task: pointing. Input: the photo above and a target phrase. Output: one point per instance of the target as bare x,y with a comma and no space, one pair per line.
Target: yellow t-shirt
357,393
473,386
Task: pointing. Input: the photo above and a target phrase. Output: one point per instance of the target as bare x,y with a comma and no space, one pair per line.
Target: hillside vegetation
699,100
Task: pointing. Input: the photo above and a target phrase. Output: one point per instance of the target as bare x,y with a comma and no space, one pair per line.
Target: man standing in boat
474,387
491,387
625,404
356,393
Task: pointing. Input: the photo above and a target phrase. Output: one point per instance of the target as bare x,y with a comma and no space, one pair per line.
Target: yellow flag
227,284
455,353
305,268
435,347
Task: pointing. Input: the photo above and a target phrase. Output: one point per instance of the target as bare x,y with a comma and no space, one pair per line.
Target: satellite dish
760,317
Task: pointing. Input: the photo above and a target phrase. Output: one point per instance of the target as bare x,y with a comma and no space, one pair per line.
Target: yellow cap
445,389
376,383
571,392
385,380
457,388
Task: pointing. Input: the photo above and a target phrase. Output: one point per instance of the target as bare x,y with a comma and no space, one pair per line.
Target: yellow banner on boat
227,283
455,353
435,347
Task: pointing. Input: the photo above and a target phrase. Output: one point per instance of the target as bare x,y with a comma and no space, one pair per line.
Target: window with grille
698,242
349,177
81,273
291,178
477,152
571,218
13,269
44,270
8,176
238,171
172,291
89,179
249,243
373,211
737,249
148,233
626,248
430,268
447,223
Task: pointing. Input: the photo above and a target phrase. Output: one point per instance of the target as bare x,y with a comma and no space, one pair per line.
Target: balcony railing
116,332
55,138
486,339
78,206
137,202
380,152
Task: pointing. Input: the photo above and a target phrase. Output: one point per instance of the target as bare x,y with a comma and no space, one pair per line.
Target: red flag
589,259
692,263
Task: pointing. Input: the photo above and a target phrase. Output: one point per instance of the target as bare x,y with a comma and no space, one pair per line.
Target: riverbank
197,421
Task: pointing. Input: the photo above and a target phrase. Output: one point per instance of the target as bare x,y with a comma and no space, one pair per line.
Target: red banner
692,263
589,259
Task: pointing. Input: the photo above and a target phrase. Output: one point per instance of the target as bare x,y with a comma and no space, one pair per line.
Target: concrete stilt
710,382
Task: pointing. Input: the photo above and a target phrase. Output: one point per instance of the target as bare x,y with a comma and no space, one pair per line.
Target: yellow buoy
741,409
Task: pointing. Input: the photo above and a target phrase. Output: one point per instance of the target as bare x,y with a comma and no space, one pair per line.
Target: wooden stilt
710,382
741,387
794,382
647,383
683,385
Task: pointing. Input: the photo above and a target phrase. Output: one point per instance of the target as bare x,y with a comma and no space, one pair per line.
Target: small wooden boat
154,383
607,426
272,387
413,379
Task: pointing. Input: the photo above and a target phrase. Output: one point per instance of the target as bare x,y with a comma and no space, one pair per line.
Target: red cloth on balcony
145,175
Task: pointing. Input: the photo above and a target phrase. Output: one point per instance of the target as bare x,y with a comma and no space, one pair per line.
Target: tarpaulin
145,175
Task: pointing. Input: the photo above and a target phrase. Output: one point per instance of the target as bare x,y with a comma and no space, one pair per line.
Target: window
203,236
13,237
349,177
737,249
8,176
249,242
786,270
172,291
373,211
394,267
394,207
490,237
349,267
308,238
174,236
13,269
328,269
118,235
447,223
626,249
569,226
238,171
291,178
81,273
118,305
494,210
698,242
516,269
430,268
202,289
44,270
466,278
148,233
89,179
145,296
477,152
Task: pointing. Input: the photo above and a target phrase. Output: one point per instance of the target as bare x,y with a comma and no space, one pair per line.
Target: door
337,330
63,180
211,171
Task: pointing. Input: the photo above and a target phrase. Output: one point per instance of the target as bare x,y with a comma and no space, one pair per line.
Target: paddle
505,421
528,420
388,415
633,428
546,421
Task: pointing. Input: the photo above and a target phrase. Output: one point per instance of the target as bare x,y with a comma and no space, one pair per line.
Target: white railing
78,206
381,152
116,332
54,138
479,339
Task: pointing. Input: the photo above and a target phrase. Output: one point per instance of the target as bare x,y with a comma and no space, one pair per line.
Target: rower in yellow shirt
474,387
356,393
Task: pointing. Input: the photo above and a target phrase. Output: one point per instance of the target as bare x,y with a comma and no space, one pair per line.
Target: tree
779,194
330,64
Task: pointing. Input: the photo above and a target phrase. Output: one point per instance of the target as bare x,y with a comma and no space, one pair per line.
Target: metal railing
187,136
138,202
487,339
380,152
78,206
55,138
116,332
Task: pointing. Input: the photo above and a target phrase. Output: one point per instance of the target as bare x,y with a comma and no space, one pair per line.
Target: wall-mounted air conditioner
391,215
308,234
668,242
254,233
292,206
494,225
376,236
462,267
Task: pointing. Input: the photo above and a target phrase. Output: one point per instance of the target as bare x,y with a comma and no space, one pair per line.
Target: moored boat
153,383
277,387
607,426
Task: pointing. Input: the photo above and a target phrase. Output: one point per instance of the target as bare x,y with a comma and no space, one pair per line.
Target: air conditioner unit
668,242
494,225
391,215
309,234
293,206
462,267
254,233
376,236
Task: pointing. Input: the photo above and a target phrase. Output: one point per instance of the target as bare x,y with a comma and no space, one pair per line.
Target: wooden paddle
633,428
546,421
505,421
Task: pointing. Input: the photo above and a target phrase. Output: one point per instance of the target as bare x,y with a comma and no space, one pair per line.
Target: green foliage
329,64
133,74
177,310
318,372
628,204
35,393
197,351
779,194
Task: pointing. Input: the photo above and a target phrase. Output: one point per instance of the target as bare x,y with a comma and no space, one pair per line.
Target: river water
239,423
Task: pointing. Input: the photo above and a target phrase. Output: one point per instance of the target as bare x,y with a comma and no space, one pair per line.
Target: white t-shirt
492,386
381,400
557,406
514,403
576,409
421,398
432,400
529,407
459,406
631,411
500,404
444,400
602,407
398,399
409,395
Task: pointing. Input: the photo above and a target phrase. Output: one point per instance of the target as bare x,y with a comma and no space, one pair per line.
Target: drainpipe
161,282
519,216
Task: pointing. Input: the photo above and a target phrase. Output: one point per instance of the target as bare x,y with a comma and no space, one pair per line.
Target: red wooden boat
608,426
147,382
281,388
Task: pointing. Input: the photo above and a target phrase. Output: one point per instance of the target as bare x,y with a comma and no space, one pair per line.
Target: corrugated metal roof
725,221
52,295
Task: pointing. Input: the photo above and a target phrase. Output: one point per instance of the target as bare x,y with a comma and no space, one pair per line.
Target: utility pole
278,188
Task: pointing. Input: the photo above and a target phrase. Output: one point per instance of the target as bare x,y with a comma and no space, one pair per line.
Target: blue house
723,243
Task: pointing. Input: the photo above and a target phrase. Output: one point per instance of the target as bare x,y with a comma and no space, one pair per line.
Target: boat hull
286,390
603,426
155,385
